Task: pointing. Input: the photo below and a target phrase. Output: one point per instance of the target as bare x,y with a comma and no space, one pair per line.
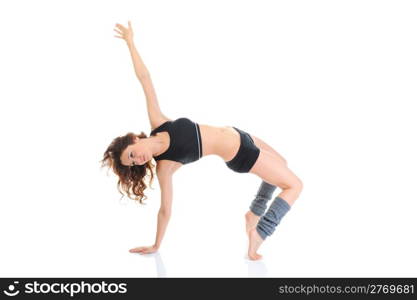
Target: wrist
129,43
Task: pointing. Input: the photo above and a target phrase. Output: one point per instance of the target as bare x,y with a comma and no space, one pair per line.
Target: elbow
165,212
143,76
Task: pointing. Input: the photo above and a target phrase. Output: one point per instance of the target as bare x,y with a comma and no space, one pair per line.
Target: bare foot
255,241
251,221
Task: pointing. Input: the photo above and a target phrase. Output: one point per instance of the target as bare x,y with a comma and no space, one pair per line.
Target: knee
297,185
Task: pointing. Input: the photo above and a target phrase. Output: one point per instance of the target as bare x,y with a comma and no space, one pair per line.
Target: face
136,154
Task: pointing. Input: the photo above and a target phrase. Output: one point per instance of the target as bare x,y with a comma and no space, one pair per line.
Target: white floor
84,233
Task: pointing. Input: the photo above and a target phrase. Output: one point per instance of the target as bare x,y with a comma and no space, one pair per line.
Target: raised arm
156,117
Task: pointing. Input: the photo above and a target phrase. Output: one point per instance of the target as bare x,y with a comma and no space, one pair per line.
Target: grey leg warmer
267,223
264,194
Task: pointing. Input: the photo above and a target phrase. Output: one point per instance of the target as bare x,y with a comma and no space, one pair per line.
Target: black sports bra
185,141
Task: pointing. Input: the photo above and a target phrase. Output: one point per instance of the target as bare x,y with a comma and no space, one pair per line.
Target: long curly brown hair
131,178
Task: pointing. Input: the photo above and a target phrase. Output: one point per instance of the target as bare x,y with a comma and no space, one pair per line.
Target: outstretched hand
125,33
144,249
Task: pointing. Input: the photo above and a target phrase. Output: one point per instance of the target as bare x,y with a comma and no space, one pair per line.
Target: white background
331,85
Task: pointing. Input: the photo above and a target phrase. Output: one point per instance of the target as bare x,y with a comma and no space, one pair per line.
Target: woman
173,143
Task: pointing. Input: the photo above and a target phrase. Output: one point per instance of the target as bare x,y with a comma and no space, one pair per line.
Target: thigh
264,146
270,168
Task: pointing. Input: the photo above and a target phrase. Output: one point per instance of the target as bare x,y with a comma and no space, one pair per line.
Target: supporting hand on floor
144,249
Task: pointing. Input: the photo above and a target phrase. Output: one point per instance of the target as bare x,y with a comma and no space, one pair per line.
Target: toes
255,256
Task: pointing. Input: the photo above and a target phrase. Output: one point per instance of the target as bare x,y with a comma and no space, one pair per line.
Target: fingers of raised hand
121,27
120,36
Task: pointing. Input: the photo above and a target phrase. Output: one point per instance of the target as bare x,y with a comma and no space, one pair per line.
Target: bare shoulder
167,168
158,121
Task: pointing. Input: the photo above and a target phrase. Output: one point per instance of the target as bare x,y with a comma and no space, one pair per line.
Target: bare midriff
223,141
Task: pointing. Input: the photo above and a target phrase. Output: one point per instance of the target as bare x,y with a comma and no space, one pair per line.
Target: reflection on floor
254,268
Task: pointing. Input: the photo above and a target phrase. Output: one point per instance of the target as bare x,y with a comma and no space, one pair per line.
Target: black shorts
247,154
